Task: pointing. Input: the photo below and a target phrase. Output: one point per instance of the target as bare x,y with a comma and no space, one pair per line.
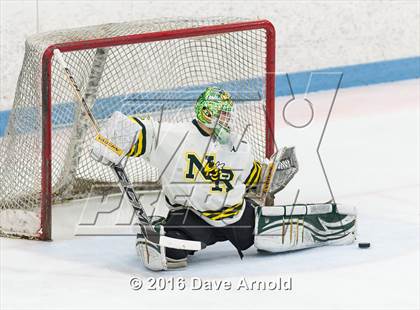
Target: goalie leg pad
289,228
154,256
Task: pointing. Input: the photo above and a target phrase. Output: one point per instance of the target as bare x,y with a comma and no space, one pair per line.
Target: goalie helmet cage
154,67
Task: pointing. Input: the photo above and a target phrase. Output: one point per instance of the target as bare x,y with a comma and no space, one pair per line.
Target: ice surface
371,155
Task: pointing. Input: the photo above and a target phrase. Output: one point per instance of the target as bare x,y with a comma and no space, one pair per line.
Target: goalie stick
124,182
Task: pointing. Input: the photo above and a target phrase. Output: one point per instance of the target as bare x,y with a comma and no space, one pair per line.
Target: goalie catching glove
276,174
286,168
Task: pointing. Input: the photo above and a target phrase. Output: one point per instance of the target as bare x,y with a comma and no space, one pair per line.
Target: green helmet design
211,103
213,109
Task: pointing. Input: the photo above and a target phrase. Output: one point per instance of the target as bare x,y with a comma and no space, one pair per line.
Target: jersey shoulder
240,144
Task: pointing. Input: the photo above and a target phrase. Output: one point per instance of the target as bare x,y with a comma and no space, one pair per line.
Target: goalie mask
214,109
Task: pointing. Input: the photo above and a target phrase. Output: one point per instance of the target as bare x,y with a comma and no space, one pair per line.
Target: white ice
371,155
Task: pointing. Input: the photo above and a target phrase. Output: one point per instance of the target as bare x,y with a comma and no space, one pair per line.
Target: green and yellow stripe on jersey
139,148
224,213
254,176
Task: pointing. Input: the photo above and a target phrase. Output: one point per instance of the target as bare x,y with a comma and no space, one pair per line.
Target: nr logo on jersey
215,172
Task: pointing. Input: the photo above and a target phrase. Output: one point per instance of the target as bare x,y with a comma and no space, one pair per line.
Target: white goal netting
157,77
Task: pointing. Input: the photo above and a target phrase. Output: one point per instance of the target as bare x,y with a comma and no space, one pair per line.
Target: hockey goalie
212,188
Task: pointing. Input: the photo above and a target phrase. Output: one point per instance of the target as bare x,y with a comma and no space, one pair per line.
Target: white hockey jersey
196,171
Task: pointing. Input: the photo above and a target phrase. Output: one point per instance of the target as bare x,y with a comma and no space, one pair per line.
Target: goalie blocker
273,229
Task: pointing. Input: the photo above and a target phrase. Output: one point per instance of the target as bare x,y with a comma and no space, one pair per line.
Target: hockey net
155,67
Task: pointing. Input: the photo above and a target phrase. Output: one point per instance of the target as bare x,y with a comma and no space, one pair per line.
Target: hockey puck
364,245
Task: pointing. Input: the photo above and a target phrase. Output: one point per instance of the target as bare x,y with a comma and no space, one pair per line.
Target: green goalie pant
295,227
